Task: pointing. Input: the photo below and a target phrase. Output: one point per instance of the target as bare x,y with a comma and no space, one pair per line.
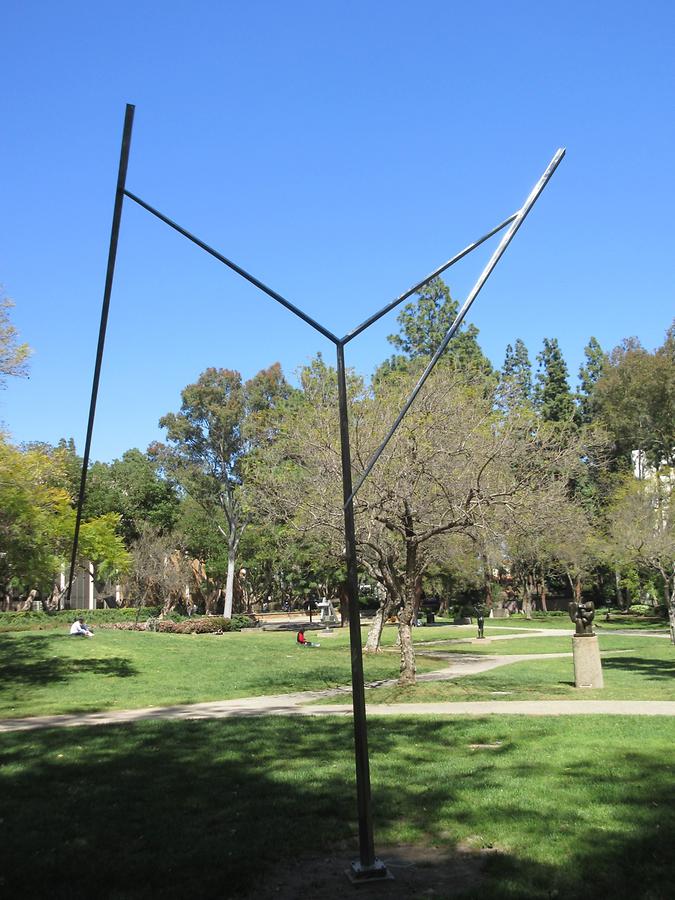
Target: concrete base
587,665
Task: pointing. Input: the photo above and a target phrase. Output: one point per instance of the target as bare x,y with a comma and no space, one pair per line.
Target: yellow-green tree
37,521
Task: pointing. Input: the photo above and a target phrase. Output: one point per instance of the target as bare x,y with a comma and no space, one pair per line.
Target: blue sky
339,151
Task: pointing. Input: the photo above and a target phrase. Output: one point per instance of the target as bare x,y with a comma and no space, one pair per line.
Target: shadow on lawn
652,669
29,662
212,809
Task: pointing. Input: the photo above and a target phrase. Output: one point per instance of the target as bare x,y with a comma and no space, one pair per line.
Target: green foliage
552,394
132,488
515,380
423,325
641,609
589,375
35,517
203,625
37,521
13,356
635,398
43,621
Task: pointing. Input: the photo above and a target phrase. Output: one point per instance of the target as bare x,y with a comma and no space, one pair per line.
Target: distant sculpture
479,612
582,614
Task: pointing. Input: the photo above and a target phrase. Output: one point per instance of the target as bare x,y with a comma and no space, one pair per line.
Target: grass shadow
212,809
652,669
29,663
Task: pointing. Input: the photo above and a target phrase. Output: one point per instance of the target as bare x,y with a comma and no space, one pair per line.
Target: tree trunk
229,583
375,633
408,671
542,593
407,674
577,588
344,604
670,587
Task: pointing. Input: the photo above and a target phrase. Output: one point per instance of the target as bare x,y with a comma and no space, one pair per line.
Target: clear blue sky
339,151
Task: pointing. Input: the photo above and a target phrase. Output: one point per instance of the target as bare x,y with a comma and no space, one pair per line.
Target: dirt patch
418,872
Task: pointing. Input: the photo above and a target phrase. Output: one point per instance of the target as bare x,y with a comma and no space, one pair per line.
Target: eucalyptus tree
220,421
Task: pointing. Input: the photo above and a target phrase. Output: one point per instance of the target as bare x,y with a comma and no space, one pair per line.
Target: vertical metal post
112,254
368,867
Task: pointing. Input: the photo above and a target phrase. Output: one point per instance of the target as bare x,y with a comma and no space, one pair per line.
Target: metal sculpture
368,867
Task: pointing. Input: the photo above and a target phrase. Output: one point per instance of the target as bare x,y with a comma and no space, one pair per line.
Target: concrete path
296,705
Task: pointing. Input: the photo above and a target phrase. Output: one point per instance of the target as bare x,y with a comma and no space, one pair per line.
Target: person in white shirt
80,629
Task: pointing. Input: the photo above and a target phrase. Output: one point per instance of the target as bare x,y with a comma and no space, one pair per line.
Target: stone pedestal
587,666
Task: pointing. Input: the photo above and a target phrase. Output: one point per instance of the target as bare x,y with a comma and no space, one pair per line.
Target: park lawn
43,673
633,669
536,644
548,807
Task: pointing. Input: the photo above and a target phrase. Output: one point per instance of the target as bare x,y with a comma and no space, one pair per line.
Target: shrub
202,625
40,621
640,609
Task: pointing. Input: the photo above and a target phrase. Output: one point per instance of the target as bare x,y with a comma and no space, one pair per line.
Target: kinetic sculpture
367,867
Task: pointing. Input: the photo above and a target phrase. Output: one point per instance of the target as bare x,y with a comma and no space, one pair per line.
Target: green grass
535,644
46,672
639,668
569,808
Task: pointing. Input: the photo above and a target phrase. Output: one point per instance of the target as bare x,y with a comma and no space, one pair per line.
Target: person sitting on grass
79,629
302,640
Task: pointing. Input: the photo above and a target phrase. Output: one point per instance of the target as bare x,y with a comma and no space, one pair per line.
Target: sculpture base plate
359,874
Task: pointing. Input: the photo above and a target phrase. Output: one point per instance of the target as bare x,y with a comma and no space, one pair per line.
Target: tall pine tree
515,380
423,325
589,373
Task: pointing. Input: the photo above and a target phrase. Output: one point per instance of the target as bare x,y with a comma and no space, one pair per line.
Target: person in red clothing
302,640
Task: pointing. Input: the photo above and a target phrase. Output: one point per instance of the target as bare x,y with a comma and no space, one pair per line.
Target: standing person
80,629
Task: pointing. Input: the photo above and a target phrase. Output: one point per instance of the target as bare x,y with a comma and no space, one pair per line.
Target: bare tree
455,466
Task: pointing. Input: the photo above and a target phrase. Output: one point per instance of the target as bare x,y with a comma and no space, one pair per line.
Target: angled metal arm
485,274
235,268
415,288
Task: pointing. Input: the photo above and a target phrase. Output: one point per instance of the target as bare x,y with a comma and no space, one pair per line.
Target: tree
423,325
553,398
133,488
635,397
515,380
220,421
161,569
37,520
589,375
455,466
641,531
13,356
